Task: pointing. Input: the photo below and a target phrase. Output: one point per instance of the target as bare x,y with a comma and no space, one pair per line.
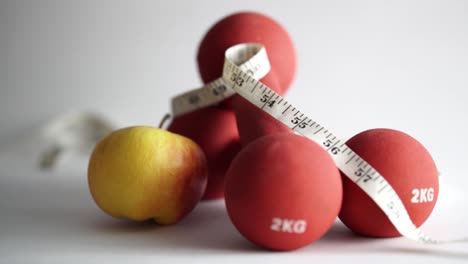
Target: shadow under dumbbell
340,240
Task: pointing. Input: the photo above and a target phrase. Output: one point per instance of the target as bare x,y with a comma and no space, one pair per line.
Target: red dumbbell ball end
406,165
283,192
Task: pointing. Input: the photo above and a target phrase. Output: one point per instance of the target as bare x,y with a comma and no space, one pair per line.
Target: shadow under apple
206,228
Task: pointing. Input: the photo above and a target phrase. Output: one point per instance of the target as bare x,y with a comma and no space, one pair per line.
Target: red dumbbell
248,27
214,128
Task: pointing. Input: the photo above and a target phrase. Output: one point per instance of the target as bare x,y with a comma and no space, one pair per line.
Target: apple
143,172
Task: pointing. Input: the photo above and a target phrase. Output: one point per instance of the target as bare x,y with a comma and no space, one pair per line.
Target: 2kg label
422,195
288,225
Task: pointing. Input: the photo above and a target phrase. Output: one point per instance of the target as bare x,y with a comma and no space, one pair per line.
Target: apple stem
164,120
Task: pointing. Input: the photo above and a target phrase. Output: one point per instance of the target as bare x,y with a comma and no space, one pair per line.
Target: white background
362,65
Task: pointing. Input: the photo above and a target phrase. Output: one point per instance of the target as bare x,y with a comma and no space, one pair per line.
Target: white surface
387,64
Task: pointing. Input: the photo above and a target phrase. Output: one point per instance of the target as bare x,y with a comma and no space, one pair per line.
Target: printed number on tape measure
252,59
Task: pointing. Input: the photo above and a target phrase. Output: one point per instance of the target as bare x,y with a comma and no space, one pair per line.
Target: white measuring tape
243,80
253,60
72,131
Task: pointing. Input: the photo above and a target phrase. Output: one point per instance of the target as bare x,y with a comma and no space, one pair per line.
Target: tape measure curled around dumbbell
244,65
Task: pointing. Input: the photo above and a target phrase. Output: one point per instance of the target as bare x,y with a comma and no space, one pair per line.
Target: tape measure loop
251,60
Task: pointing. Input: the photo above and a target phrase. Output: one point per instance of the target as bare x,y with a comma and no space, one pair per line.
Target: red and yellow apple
142,173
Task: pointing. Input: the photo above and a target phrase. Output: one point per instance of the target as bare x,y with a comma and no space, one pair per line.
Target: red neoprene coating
247,27
215,131
283,177
406,165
